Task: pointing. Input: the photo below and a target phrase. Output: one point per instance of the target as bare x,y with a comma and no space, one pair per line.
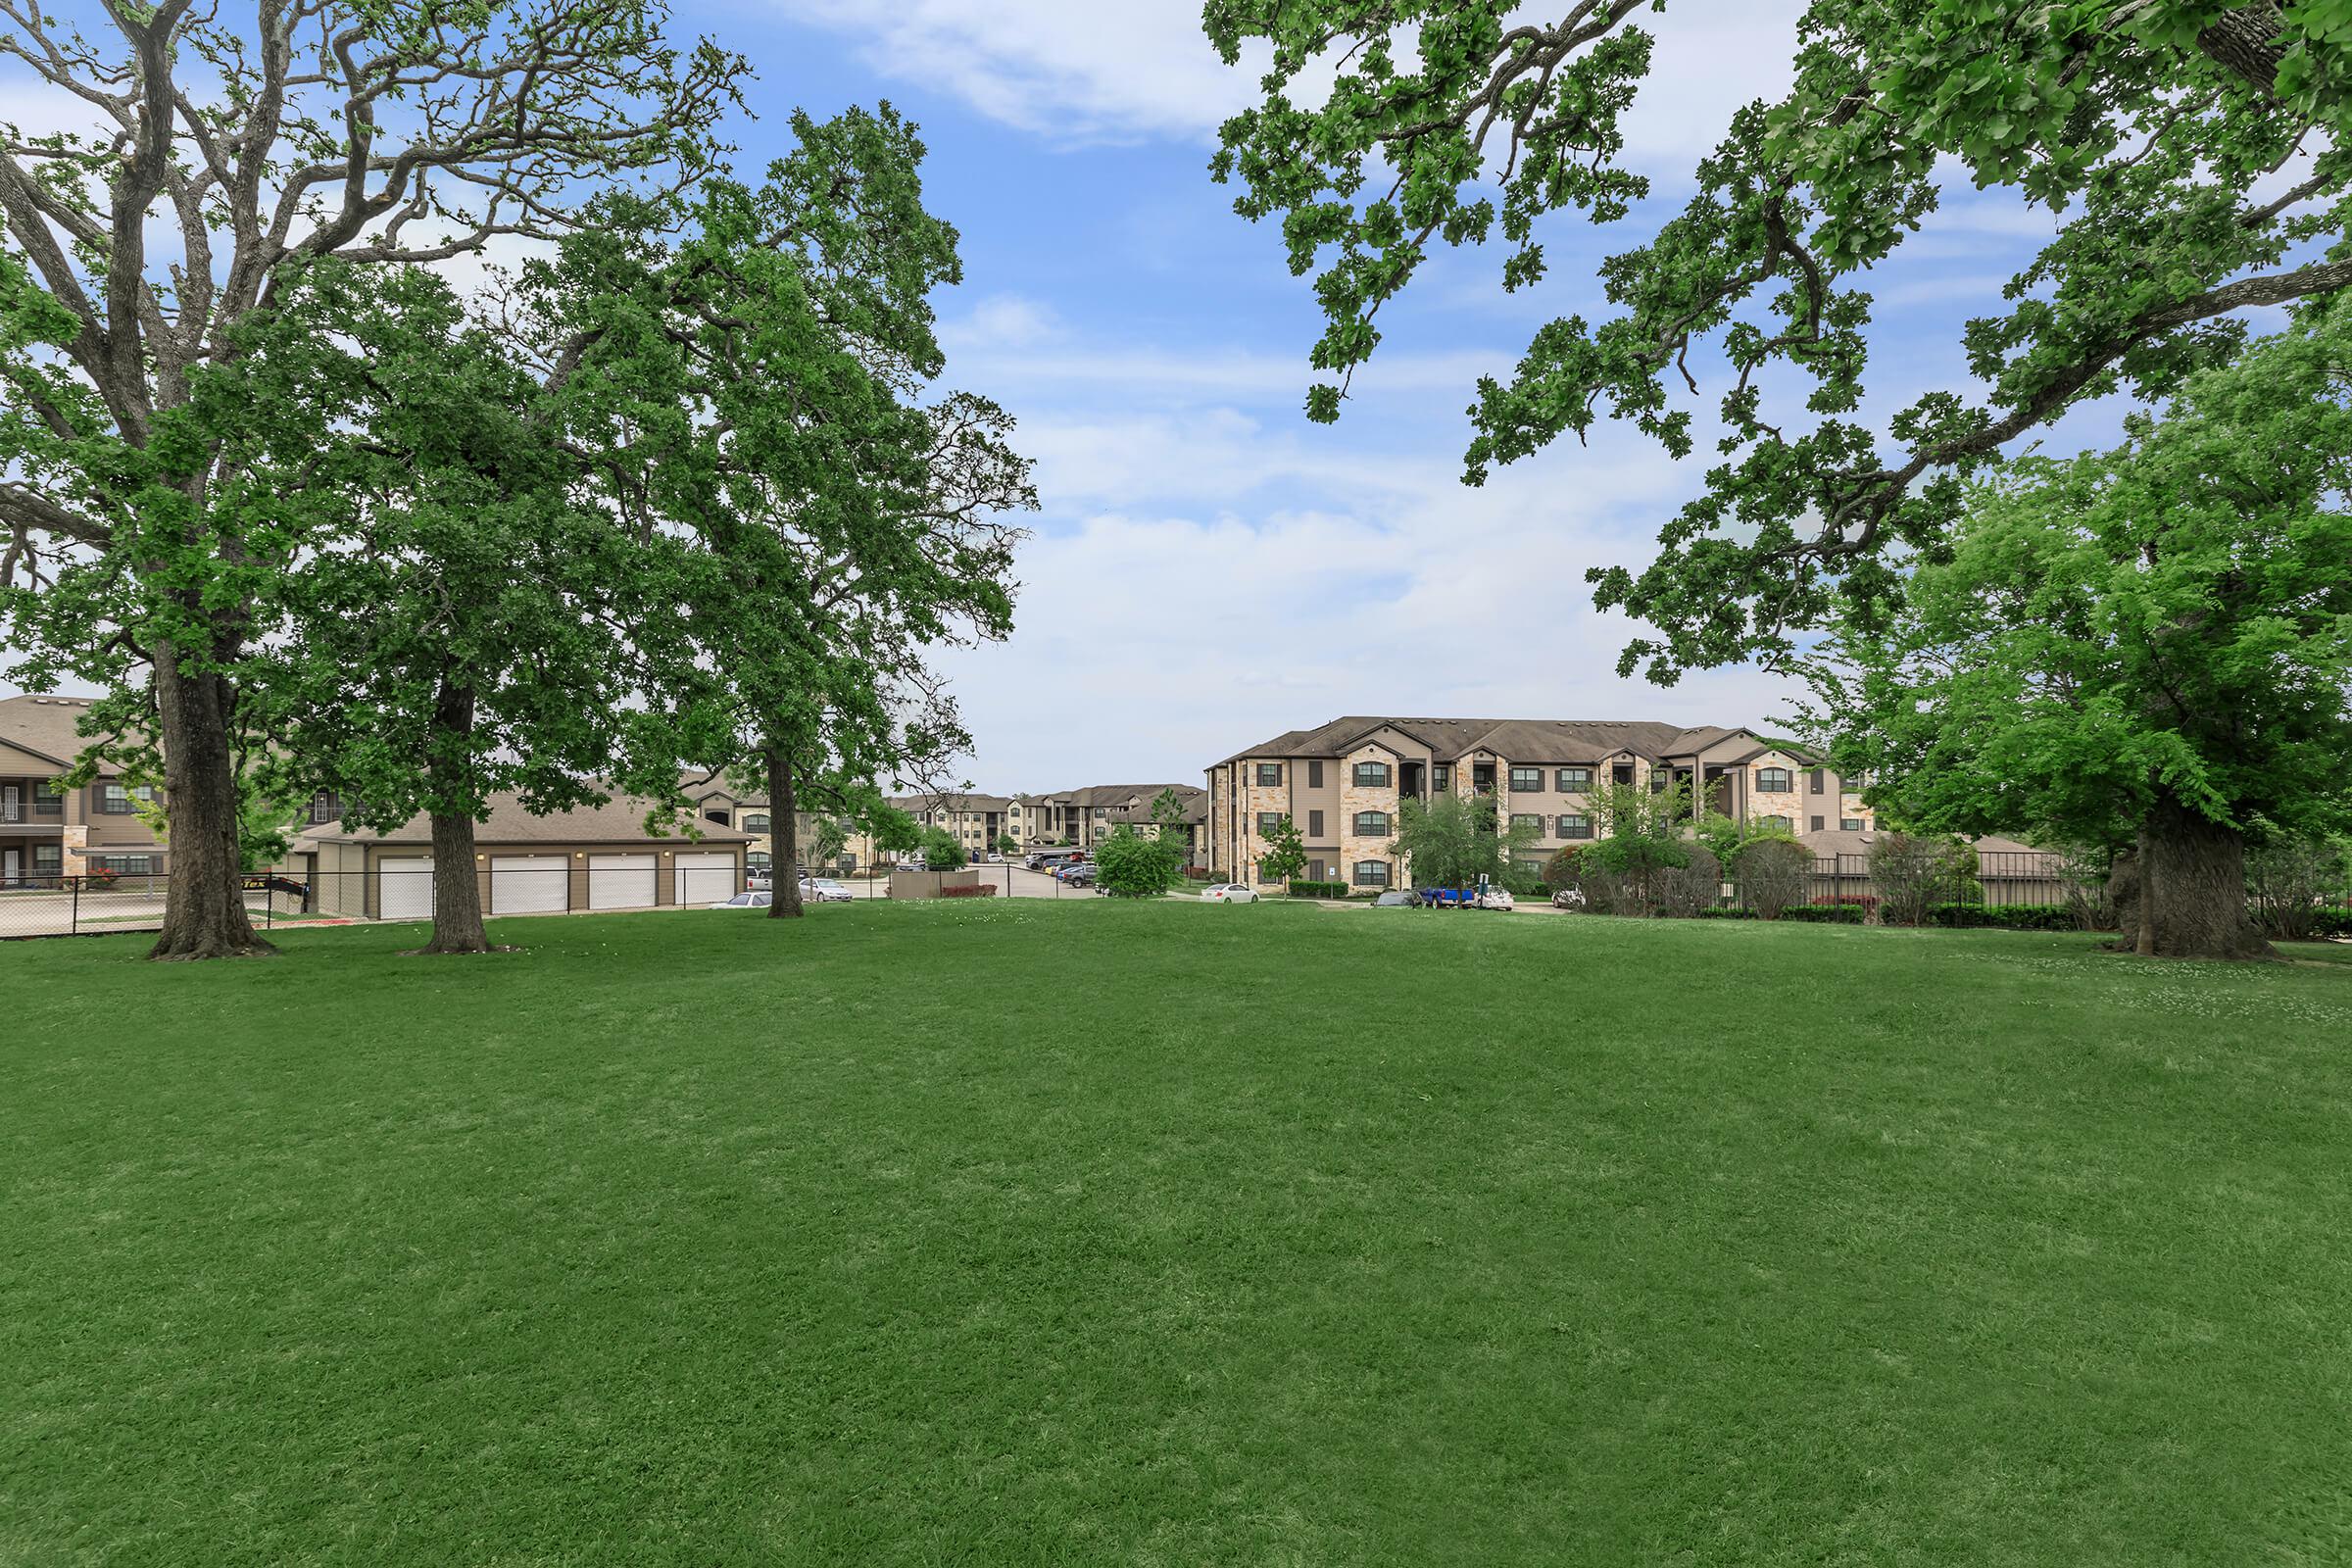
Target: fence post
73,920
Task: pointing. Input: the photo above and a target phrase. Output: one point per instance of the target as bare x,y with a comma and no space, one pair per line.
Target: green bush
2004,916
1322,890
1129,866
1824,914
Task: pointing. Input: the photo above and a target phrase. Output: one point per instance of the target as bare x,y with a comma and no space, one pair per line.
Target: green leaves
2187,147
2168,620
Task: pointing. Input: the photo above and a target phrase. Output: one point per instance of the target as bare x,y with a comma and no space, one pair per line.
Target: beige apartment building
47,831
1084,816
721,804
1342,784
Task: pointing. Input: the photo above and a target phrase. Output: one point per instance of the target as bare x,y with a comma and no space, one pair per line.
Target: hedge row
1319,890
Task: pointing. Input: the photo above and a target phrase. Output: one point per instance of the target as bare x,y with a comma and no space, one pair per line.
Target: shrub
979,890
1694,885
1773,874
1915,874
1560,871
1850,913
1129,866
2288,882
1323,890
1201,873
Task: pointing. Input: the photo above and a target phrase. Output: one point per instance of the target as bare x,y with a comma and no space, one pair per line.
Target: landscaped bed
1227,1236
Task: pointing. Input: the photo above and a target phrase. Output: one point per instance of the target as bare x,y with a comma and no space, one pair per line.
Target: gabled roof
1515,740
45,726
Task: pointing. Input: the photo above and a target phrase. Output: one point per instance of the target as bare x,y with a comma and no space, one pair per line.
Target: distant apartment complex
1086,817
1343,784
49,831
721,804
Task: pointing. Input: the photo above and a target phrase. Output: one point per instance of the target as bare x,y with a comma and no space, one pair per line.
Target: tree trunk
204,900
456,889
2187,894
783,837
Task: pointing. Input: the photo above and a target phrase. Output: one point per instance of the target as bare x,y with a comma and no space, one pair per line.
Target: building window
1371,776
1315,826
716,814
47,800
1817,781
1527,819
1775,780
115,801
1572,780
1269,775
1371,824
1530,869
1817,824
756,823
1267,822
1371,874
47,859
1779,823
1314,773
1851,824
1621,773
758,860
1441,776
123,864
1575,825
1526,779
325,806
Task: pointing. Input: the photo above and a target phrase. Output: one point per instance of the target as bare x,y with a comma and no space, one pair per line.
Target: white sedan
1228,892
745,901
1491,896
824,890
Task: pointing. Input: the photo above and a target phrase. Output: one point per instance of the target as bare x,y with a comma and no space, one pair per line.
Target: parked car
746,901
994,858
1449,898
1398,898
757,880
824,890
1496,896
1568,899
1228,892
1071,869
1081,875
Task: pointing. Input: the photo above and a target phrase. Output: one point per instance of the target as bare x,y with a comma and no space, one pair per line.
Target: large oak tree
229,144
2147,648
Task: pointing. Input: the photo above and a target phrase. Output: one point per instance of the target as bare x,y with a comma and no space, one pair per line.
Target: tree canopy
2194,154
2149,646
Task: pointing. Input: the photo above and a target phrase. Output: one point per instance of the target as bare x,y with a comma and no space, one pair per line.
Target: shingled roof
1517,740
45,726
620,820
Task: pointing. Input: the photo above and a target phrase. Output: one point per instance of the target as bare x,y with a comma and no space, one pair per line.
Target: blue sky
1209,567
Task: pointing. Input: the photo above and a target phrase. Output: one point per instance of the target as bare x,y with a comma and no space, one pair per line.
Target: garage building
590,858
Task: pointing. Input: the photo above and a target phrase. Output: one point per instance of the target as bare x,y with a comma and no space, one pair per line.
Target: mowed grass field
1025,1233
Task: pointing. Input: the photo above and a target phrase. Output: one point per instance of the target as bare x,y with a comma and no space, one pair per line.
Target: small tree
1006,843
1694,885
1133,866
831,838
942,850
1451,842
1915,874
895,832
1773,873
1285,854
2289,880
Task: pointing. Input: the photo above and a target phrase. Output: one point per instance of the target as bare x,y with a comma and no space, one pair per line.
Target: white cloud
1176,608
1087,70
1076,69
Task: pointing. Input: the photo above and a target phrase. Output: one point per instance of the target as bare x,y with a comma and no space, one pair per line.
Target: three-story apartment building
48,831
1343,784
1086,817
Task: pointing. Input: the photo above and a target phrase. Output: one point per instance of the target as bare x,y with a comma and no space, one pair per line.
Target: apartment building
1342,784
721,804
977,821
48,831
1084,816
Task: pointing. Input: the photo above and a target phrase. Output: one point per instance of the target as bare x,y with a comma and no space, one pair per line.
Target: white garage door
706,878
622,881
405,888
528,884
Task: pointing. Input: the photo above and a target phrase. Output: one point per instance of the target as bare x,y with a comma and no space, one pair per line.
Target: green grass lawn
1235,1236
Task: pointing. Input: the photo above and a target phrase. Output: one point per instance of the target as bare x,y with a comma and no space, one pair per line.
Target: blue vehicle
1449,898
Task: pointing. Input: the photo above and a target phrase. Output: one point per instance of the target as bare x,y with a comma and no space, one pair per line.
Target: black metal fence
99,904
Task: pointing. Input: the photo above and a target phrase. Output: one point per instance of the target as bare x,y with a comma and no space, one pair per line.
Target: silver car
746,901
